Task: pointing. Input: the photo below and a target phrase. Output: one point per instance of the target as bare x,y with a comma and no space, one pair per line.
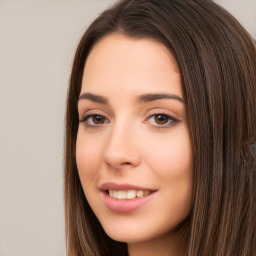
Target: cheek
88,155
172,164
171,155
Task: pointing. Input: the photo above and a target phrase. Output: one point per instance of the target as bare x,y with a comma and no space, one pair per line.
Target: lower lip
128,205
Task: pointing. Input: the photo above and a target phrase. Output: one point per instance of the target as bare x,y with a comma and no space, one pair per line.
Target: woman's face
133,148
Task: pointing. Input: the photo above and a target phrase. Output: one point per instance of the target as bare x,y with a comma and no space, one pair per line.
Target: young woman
160,133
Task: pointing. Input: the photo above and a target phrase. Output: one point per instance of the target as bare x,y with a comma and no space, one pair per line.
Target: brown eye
94,121
161,119
97,119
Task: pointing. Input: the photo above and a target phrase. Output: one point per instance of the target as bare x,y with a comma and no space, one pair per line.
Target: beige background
37,43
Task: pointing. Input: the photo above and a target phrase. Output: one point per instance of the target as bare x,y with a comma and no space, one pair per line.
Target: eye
97,119
162,120
94,120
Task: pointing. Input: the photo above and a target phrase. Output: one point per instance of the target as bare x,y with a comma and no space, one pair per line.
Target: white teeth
111,193
127,194
131,194
121,195
139,193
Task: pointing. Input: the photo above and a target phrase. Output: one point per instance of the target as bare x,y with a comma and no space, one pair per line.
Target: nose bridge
121,148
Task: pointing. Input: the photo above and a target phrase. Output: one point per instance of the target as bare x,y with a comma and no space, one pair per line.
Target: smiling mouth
128,194
124,198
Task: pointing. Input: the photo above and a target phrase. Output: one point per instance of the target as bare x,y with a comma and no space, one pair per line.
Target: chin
137,232
128,237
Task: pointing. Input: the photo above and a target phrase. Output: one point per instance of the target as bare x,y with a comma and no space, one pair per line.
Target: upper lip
124,186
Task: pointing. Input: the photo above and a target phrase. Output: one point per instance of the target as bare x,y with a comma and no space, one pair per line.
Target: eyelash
87,117
171,121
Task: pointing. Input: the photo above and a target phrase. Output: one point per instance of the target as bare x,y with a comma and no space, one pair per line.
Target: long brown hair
217,61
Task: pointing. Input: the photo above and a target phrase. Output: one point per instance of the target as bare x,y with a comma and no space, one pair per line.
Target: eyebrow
93,97
141,99
158,96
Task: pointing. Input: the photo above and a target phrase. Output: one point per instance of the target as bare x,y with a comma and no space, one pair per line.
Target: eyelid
91,113
164,111
173,119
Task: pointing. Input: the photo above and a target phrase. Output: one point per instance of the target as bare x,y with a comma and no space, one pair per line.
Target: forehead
118,62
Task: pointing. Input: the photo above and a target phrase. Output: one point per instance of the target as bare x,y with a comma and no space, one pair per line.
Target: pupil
161,119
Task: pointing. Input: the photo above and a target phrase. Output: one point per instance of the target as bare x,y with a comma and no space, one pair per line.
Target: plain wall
37,44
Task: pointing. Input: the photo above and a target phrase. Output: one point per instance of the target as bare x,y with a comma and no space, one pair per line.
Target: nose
122,149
